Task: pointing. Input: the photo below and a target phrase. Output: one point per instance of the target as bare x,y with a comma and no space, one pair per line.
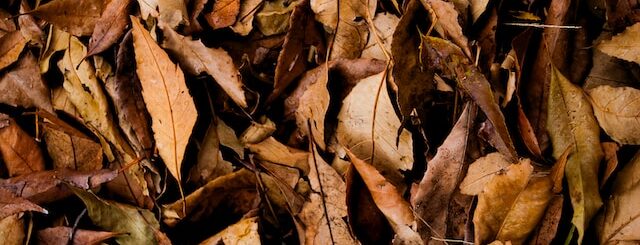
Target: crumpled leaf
224,13
61,235
135,225
11,45
237,190
23,86
570,121
511,204
58,40
243,232
390,202
110,27
20,152
624,45
10,204
244,22
450,61
195,58
393,153
76,17
431,199
445,17
324,215
618,112
273,18
12,231
348,22
618,222
172,110
482,171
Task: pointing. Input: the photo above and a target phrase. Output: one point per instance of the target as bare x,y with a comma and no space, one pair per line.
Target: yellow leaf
618,112
170,106
624,45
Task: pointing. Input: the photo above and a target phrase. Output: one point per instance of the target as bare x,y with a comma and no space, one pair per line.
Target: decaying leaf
243,232
20,152
10,204
58,40
23,85
110,27
258,132
172,13
12,230
368,126
62,235
70,148
378,47
273,151
135,225
624,45
11,45
76,17
390,202
445,18
28,26
195,58
431,199
224,13
482,171
210,163
618,112
172,110
618,222
570,122
273,17
244,22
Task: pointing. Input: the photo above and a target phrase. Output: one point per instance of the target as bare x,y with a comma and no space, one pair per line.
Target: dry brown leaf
10,204
257,132
28,26
618,112
348,22
243,232
195,58
20,152
237,189
76,17
223,14
571,123
445,17
12,230
23,86
62,104
62,234
11,46
477,8
324,215
390,202
148,8
482,171
244,22
57,40
392,153
70,148
610,151
272,150
172,13
511,204
273,17
172,110
548,228
385,24
619,221
110,27
210,164
432,197
624,45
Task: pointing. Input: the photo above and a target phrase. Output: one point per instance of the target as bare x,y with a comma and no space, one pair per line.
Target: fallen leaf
148,8
172,110
12,230
257,132
172,13
244,22
223,14
272,150
369,127
445,18
623,45
610,151
62,104
11,45
618,112
23,86
10,205
195,58
449,60
76,17
571,121
136,225
482,171
389,201
237,190
71,149
324,214
511,204
57,40
243,232
548,228
110,27
210,164
62,235
28,26
273,17
618,222
444,172
347,20
20,152
378,47
477,8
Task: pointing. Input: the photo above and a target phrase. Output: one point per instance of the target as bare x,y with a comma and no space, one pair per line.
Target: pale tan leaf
148,8
610,151
385,24
76,17
482,171
195,58
12,230
570,122
244,22
618,112
57,40
356,124
272,150
170,105
11,46
258,132
172,13
624,45
244,231
477,8
445,17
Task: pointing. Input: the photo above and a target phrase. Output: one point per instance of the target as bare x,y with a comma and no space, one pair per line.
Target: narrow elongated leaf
618,112
110,27
571,122
62,235
172,110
